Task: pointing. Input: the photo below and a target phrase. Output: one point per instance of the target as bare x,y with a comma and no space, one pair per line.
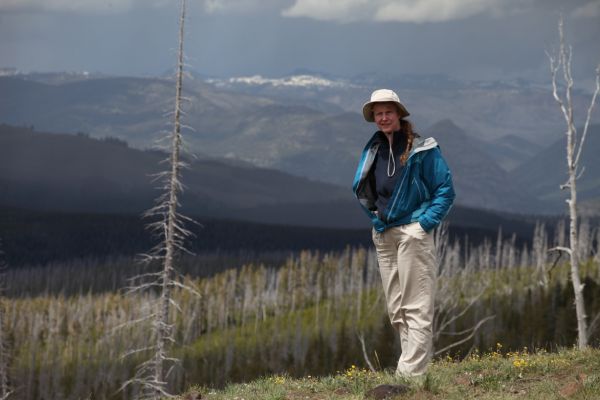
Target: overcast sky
472,39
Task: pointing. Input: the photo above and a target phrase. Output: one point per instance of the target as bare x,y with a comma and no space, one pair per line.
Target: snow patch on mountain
301,81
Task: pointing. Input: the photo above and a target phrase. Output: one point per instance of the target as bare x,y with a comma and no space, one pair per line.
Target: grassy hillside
497,375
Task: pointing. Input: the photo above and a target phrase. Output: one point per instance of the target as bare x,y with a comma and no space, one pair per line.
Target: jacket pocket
415,230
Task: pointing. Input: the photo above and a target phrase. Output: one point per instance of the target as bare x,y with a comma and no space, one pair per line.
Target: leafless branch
6,396
136,351
558,256
593,326
5,387
561,248
589,115
473,331
361,338
187,288
132,322
466,308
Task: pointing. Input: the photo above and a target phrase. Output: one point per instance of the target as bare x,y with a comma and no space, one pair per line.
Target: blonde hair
406,127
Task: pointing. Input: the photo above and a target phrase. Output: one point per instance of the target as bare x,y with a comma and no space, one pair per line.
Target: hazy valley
302,128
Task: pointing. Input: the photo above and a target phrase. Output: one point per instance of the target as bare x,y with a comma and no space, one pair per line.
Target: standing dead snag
151,375
173,231
5,390
562,62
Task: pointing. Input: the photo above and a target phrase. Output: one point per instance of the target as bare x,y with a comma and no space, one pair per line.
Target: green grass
566,374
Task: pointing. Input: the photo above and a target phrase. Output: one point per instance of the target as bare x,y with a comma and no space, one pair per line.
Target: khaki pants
407,264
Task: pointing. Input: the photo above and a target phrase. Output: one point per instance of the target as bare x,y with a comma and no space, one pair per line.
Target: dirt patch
572,387
383,392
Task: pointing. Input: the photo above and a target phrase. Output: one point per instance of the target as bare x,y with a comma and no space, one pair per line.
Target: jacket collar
422,144
380,137
419,143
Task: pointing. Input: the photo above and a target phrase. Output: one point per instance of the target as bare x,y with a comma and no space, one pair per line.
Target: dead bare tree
5,389
539,250
561,62
151,375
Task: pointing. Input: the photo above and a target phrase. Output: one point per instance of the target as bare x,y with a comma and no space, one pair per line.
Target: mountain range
547,170
58,177
301,128
490,110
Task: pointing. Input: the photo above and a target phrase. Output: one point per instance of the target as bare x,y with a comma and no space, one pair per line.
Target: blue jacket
423,193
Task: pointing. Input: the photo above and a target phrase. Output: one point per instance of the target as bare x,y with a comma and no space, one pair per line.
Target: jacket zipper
418,188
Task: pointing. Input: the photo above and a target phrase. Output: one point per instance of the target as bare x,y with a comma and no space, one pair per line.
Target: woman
405,187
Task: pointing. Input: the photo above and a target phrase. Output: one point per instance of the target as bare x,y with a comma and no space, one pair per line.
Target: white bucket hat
383,96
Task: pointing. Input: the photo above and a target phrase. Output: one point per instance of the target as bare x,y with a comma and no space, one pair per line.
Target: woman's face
386,117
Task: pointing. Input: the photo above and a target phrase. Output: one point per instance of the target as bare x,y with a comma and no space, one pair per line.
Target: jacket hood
422,144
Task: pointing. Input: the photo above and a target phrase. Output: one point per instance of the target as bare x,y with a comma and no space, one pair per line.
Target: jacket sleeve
363,184
438,180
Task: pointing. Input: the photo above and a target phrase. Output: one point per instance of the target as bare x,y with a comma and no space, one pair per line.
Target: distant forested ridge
35,237
76,173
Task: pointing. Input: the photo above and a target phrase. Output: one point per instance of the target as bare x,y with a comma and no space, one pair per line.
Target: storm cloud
473,39
397,10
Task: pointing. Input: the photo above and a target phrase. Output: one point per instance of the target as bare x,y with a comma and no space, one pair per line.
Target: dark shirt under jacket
384,184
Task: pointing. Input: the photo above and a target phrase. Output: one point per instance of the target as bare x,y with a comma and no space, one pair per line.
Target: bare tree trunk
5,390
164,328
577,286
539,250
152,374
574,147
